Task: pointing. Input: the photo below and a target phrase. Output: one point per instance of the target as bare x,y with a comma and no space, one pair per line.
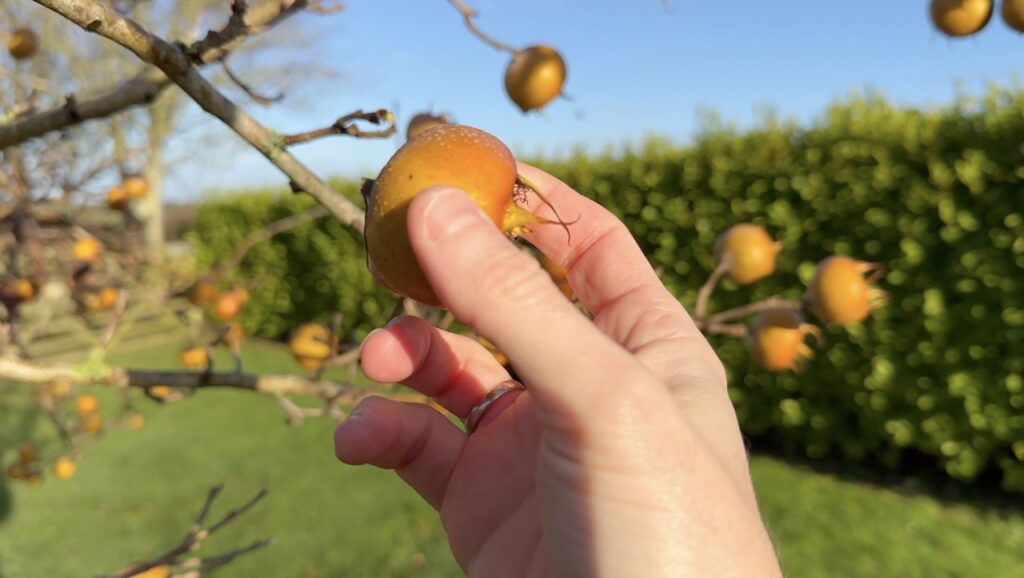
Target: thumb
504,295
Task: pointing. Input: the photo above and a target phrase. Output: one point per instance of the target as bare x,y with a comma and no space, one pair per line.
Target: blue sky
635,69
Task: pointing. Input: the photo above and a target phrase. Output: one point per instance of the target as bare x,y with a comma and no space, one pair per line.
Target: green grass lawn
136,493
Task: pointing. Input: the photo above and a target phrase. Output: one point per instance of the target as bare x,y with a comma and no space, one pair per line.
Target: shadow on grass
917,474
20,416
5,502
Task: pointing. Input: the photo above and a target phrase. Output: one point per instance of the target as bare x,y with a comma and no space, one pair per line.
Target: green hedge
934,194
305,274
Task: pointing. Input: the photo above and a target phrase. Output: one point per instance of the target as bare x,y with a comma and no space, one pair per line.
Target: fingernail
448,212
395,321
358,413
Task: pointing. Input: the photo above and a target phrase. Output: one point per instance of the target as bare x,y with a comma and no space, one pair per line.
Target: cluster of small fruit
132,188
27,468
839,293
87,420
90,293
960,18
222,305
312,345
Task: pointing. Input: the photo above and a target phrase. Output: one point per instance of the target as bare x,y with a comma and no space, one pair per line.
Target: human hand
624,458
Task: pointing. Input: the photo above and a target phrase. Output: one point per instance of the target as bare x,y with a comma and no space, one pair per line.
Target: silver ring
478,411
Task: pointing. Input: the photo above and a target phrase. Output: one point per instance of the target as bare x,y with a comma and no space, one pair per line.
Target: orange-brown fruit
92,423
64,468
960,18
194,358
1013,14
776,340
86,404
159,391
423,122
460,156
535,77
201,292
312,344
135,187
18,471
840,294
750,253
87,250
24,289
559,274
28,452
227,306
154,572
107,298
117,198
22,44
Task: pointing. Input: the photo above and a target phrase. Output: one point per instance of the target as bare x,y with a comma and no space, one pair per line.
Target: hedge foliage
934,194
305,274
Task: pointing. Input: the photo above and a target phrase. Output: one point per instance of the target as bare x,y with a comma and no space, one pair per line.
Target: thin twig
115,319
468,14
195,536
734,330
293,413
277,227
349,357
207,564
205,511
755,307
700,310
255,96
346,125
233,514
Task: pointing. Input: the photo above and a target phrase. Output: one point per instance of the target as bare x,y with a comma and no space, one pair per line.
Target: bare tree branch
147,85
17,370
195,537
177,65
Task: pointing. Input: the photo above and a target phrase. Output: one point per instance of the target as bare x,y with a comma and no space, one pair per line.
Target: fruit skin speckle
459,156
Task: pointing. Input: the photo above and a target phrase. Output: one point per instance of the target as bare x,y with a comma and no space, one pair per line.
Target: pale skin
623,459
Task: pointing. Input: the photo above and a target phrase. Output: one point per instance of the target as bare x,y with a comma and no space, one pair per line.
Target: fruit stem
565,225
